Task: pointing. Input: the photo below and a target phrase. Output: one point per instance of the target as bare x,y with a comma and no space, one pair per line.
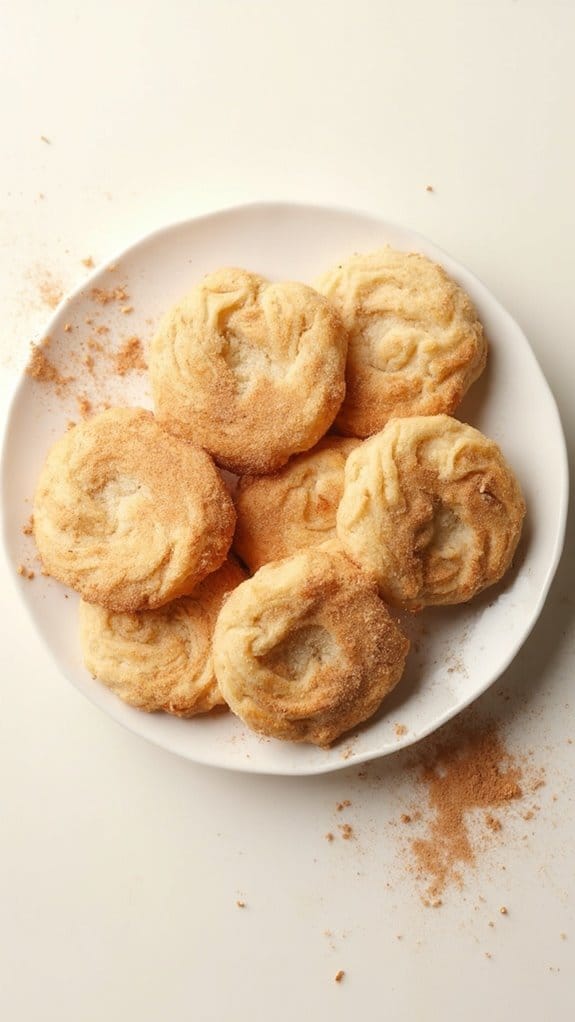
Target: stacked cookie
248,376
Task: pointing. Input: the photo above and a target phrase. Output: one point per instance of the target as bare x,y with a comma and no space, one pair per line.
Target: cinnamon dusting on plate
103,296
130,357
42,369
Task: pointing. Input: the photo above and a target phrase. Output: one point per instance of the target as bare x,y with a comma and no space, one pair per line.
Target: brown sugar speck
339,976
429,188
25,572
342,805
28,528
329,836
126,309
503,910
400,730
130,357
68,328
405,818
88,262
241,904
346,831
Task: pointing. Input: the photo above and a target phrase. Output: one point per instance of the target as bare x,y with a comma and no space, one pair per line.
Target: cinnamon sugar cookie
415,342
305,649
430,510
250,370
294,508
160,659
128,515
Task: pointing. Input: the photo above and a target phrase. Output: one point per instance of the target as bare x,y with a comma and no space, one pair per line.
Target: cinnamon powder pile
469,772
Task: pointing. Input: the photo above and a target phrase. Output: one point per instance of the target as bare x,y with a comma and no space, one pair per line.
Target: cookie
160,659
128,515
305,649
430,510
415,342
251,371
294,508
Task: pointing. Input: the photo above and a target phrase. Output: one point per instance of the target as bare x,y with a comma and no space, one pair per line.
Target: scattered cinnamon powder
84,405
51,292
88,262
339,976
130,357
405,818
25,572
41,368
471,771
346,831
492,822
103,296
343,805
400,730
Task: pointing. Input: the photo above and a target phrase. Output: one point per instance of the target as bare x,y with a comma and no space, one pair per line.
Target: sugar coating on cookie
128,515
305,649
252,371
430,510
415,342
160,659
294,508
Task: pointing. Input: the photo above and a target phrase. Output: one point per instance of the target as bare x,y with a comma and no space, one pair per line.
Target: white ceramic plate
458,652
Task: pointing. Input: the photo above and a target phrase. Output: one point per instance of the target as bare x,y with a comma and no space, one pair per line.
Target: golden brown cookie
415,342
430,510
293,508
305,649
128,515
160,659
251,371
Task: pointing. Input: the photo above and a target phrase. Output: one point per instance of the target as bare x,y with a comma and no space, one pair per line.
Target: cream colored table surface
120,865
